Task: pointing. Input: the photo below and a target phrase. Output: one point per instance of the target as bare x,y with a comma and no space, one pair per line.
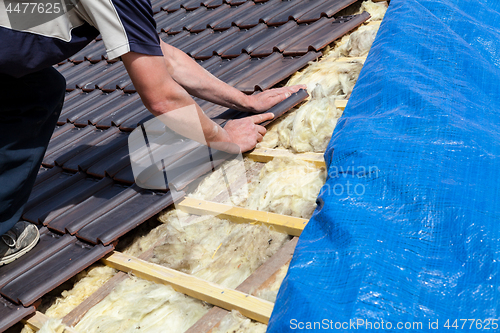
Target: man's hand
267,99
246,132
162,83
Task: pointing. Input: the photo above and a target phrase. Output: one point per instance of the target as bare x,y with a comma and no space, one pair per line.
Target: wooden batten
262,277
229,299
38,319
283,223
341,103
350,59
374,22
267,154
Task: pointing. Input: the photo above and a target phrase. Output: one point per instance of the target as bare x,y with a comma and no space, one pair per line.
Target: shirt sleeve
125,25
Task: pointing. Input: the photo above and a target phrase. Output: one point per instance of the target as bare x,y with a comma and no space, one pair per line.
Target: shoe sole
12,257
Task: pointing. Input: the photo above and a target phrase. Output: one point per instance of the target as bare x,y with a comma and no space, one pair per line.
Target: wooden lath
351,59
341,103
268,154
229,299
262,277
283,223
38,319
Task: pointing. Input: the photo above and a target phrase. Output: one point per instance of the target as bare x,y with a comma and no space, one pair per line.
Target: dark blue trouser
29,109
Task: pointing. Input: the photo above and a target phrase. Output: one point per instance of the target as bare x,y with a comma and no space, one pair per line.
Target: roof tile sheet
299,9
120,115
62,201
57,268
126,216
112,164
328,10
325,33
96,153
11,313
84,108
233,38
95,79
130,123
51,186
80,215
81,76
49,244
78,147
104,110
67,139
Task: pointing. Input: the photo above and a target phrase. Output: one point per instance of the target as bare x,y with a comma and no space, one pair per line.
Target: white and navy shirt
36,35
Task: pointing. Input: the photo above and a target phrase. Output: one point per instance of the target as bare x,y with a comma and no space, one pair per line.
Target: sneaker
18,241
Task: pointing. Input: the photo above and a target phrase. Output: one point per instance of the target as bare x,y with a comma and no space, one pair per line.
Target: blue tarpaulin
406,236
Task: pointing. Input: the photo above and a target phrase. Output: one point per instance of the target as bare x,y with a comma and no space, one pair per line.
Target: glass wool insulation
309,127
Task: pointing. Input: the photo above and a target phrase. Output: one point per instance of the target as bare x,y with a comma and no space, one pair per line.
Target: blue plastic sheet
406,236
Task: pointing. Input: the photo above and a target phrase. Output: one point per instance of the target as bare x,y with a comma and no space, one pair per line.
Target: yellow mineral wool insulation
278,134
337,78
87,283
137,305
228,184
52,326
217,250
141,244
362,39
235,322
375,9
270,292
314,123
357,44
287,186
27,329
308,129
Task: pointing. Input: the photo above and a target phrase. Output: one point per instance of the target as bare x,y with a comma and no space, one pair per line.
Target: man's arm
200,83
161,94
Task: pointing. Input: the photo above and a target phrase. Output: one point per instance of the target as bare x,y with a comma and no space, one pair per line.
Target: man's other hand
267,99
246,132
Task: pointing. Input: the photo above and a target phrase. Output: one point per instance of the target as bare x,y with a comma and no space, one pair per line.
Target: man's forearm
167,98
168,101
200,83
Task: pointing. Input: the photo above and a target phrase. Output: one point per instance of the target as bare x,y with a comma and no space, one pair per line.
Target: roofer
35,36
